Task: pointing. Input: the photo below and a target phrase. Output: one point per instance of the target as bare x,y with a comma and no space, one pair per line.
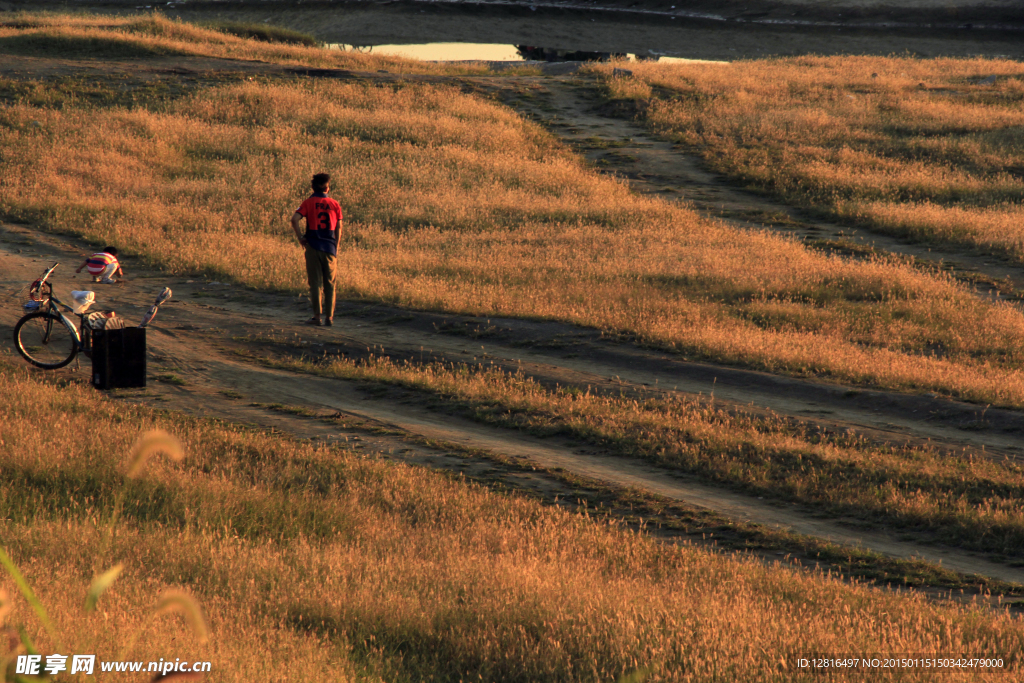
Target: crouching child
103,266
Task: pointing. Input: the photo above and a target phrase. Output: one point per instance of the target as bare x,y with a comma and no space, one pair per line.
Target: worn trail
571,110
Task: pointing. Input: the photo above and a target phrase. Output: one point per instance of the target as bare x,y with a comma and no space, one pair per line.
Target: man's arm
84,264
297,227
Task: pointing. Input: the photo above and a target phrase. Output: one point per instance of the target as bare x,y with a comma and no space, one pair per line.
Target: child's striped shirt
97,263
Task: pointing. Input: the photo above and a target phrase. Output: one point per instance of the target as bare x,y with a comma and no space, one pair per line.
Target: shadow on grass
43,44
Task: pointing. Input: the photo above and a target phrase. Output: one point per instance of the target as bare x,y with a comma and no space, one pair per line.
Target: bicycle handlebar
36,288
48,273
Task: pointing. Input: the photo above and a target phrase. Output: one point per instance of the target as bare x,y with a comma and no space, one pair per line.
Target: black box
119,358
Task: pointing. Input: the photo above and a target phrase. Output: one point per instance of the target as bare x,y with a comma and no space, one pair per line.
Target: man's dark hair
110,250
320,181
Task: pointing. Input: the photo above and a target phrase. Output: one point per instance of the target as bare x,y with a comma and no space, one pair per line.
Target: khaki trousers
322,270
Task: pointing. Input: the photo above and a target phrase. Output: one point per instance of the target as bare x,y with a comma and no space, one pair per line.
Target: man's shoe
313,321
329,322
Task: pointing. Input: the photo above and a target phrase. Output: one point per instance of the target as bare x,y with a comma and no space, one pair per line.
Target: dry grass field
131,37
970,502
929,149
454,203
312,563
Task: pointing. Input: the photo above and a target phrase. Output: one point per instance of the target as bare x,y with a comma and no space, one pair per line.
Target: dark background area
695,29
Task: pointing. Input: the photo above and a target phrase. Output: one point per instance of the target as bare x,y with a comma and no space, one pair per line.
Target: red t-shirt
323,222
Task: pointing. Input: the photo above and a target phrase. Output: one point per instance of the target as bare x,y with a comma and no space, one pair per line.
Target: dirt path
618,145
267,385
193,368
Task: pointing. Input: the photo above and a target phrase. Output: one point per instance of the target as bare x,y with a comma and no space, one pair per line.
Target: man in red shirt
323,227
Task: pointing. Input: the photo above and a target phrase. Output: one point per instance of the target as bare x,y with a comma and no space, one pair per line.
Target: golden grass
964,502
931,149
312,563
454,203
138,37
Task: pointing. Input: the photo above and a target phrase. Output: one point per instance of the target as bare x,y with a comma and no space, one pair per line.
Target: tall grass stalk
149,444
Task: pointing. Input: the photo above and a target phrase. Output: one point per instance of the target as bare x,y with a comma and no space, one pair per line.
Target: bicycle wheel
45,341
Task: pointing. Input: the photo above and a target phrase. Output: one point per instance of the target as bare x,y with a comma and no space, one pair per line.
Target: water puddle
496,52
442,52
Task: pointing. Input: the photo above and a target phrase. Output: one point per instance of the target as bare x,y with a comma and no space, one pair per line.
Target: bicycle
46,337
49,339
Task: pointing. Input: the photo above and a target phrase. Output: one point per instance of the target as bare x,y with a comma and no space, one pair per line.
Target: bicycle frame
67,321
47,294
